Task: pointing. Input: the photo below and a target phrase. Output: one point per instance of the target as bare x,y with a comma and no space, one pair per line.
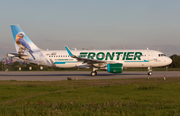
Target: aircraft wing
87,60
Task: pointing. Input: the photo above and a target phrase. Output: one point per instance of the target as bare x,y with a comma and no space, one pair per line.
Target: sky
93,24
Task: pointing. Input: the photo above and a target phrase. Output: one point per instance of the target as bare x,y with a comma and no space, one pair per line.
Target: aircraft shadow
46,75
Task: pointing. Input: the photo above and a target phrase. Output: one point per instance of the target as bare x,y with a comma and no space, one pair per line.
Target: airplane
113,61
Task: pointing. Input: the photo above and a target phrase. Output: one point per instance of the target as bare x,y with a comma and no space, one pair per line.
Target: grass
91,97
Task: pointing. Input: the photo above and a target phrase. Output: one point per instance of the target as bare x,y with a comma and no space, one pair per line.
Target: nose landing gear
149,71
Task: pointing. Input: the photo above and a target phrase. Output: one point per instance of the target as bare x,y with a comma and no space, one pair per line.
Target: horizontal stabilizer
16,55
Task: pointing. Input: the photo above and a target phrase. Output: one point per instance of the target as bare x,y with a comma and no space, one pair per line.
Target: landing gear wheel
149,73
93,73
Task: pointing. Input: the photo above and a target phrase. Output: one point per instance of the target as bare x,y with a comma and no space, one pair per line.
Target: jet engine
115,68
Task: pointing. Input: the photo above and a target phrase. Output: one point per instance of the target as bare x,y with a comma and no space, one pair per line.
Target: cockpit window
161,55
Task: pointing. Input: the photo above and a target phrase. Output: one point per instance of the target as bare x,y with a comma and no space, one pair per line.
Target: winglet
69,51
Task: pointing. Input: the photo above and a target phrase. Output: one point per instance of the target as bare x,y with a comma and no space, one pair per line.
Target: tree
15,65
1,66
175,61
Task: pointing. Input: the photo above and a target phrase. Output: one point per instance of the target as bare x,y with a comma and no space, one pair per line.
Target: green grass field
134,97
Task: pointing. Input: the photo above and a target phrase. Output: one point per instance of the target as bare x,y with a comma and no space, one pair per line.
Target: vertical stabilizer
26,49
15,30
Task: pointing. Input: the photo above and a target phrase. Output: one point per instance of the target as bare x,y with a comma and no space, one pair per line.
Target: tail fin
26,48
15,30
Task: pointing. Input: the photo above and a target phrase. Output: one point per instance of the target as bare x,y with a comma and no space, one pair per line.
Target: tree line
175,61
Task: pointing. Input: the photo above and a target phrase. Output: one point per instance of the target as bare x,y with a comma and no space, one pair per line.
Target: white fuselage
111,60
129,58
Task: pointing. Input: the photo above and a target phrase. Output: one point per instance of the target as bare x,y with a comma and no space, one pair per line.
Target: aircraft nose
169,61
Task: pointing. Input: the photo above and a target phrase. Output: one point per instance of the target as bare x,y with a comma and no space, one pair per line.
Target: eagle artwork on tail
23,45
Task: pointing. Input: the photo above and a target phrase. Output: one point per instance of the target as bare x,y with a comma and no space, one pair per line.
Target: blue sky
93,24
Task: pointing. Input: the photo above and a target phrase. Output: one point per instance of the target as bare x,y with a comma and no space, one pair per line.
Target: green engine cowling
115,68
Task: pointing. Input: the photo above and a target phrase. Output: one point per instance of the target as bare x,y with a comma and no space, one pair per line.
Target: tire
149,73
93,73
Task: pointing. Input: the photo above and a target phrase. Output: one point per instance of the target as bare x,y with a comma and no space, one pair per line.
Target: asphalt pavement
63,75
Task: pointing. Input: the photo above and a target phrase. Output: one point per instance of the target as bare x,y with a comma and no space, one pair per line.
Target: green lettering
124,56
91,55
100,56
83,54
129,54
118,55
110,56
137,55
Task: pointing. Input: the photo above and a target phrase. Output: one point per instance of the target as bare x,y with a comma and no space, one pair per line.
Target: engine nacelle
115,68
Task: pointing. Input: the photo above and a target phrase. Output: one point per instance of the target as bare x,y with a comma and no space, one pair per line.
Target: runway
63,75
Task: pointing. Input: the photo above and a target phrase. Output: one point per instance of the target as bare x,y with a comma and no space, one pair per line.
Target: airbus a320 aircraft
111,60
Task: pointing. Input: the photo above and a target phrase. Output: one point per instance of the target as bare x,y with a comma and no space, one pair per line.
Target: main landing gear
94,73
149,71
